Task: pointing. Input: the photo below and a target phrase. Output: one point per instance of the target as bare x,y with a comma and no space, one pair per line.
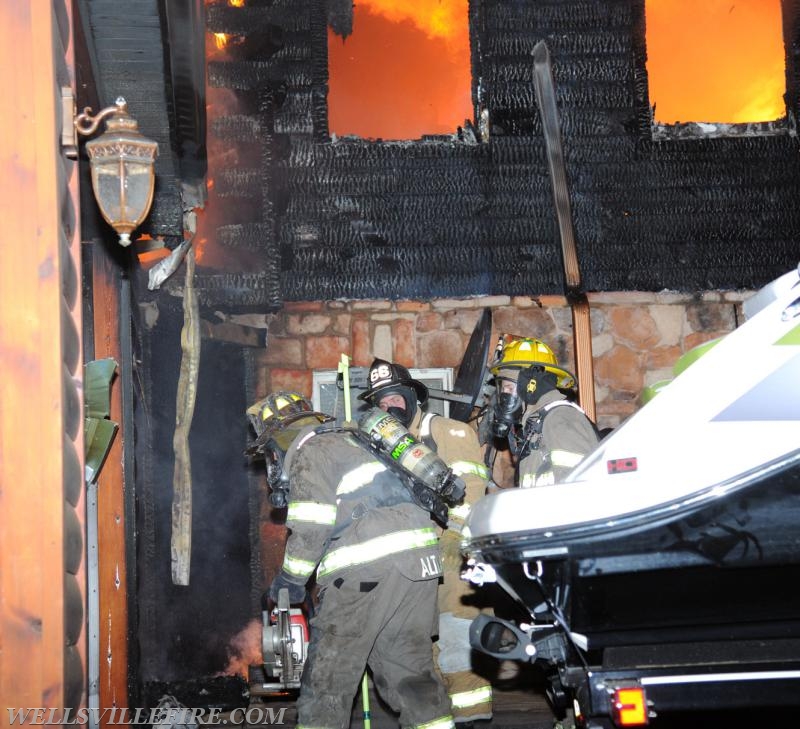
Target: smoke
244,650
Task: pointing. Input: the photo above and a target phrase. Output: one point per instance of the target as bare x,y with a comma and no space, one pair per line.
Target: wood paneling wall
42,580
111,513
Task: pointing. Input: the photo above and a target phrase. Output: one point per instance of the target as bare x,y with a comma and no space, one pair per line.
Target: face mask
402,414
276,480
506,410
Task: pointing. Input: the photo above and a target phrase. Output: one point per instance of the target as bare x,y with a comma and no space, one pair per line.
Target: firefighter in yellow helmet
392,389
375,555
548,434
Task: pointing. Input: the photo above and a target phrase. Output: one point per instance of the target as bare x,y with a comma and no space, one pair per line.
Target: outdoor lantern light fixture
121,159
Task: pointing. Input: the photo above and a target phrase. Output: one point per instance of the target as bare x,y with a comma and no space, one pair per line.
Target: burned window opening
694,130
769,114
439,217
400,73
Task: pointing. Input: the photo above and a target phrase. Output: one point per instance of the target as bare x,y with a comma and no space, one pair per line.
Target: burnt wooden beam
235,292
233,333
183,28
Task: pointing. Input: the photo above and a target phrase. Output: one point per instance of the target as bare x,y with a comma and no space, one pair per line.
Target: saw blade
284,625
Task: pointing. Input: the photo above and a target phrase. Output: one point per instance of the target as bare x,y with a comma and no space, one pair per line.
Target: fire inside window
403,73
719,61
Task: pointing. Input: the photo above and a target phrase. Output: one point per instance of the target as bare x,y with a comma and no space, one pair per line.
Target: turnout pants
386,623
470,693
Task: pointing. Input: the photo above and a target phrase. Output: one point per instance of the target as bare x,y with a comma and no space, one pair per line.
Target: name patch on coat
430,566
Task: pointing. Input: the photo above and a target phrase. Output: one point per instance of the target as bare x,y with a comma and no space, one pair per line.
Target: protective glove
297,593
534,382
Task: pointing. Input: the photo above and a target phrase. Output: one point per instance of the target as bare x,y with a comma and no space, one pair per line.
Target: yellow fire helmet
279,404
278,418
519,353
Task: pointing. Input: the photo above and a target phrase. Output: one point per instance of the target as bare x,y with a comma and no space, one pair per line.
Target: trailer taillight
630,707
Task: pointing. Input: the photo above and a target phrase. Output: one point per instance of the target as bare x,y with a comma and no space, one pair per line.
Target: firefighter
548,433
375,554
392,389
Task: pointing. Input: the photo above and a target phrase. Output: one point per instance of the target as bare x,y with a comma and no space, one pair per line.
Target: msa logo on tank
398,450
430,566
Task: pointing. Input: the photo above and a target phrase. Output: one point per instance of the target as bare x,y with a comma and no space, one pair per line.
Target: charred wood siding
461,215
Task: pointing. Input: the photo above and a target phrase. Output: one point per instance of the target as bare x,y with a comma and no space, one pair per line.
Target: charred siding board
711,210
442,216
184,27
270,68
590,43
791,39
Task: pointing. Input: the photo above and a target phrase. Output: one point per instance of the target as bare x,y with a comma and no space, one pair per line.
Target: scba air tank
389,434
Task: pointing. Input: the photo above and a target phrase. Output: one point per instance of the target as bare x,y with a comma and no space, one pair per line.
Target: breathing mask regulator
277,480
406,413
505,412
432,483
501,419
277,420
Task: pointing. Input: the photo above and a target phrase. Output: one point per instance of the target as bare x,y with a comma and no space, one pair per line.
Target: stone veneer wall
637,337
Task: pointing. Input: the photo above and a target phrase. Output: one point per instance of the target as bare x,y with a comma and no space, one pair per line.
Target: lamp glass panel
124,191
138,182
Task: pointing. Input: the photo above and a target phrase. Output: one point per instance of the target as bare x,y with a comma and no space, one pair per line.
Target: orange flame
404,72
716,60
236,3
146,257
245,650
200,246
437,19
149,257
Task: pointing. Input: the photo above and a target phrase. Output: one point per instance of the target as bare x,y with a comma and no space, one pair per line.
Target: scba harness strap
425,497
532,432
